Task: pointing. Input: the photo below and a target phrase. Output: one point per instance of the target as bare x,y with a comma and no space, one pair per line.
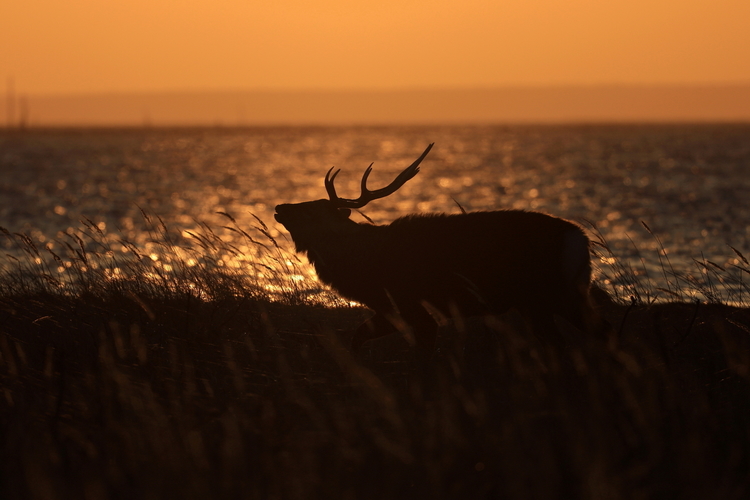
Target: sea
670,201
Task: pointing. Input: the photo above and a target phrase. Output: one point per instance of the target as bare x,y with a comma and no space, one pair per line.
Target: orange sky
72,46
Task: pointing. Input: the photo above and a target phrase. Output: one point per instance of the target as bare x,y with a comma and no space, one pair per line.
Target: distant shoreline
553,104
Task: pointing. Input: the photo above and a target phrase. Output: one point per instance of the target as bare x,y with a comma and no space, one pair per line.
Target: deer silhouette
468,263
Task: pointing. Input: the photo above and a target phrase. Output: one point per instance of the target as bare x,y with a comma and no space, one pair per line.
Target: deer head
314,223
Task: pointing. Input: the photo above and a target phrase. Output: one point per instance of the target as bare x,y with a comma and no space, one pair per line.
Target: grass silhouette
193,369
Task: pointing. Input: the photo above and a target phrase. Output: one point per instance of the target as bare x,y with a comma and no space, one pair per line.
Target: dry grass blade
364,216
228,216
742,257
260,221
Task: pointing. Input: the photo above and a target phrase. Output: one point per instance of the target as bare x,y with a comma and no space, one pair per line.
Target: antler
367,195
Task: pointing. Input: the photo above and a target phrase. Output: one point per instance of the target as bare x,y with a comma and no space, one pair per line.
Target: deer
471,263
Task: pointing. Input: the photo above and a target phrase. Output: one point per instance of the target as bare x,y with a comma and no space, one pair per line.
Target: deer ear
345,212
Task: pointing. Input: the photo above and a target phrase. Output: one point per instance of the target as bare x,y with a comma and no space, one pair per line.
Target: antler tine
363,184
366,195
408,173
330,189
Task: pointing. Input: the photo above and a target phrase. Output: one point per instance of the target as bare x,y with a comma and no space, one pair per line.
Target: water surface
688,183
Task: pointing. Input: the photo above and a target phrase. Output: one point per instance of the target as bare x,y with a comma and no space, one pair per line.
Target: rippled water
688,183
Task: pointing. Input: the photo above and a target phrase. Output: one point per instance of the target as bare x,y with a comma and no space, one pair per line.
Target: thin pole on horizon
10,110
23,112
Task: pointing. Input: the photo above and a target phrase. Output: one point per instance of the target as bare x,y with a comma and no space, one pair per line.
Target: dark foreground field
134,389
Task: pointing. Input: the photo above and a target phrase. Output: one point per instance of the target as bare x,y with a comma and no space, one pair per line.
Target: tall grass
709,282
191,368
172,263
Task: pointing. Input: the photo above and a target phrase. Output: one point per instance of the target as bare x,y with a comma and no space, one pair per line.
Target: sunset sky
81,46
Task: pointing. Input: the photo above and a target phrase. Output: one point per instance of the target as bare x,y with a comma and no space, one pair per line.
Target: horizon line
395,89
558,104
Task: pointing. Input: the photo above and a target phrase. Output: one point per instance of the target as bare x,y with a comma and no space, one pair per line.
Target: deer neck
346,249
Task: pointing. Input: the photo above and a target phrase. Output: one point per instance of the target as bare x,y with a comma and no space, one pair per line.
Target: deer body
471,263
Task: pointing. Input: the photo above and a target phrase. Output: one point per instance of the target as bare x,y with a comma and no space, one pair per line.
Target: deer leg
373,328
576,304
419,326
